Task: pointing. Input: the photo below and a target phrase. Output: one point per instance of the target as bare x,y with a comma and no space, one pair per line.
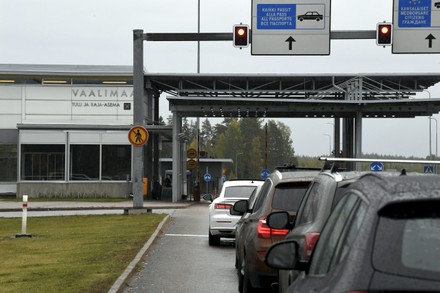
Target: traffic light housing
384,34
241,36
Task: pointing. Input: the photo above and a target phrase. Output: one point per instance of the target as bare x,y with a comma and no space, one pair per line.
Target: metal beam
186,37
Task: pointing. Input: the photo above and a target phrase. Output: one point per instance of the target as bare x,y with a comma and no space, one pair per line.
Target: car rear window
288,197
414,229
239,191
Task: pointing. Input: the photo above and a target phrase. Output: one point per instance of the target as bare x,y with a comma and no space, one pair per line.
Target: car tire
301,19
214,240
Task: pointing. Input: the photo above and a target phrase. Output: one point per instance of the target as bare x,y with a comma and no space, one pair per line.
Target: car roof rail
370,160
293,167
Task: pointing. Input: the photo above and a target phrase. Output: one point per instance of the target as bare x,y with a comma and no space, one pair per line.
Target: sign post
24,219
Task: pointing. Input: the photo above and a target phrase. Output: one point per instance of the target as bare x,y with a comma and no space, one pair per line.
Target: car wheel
301,19
214,240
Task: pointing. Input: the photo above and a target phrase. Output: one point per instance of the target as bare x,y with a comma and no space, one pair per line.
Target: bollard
24,219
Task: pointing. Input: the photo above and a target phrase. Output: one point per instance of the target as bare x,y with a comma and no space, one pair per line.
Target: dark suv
321,197
382,236
282,191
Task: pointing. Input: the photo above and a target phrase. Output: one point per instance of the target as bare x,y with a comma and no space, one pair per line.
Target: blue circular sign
264,174
207,177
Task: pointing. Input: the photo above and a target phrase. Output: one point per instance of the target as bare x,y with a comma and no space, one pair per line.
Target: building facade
63,130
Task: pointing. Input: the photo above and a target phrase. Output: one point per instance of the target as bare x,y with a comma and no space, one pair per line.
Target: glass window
307,212
239,191
414,229
84,162
330,236
42,162
8,163
288,197
116,162
265,189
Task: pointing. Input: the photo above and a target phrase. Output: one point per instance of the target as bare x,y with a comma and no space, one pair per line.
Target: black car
310,15
383,236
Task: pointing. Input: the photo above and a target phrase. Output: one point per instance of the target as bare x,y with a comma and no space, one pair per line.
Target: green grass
71,254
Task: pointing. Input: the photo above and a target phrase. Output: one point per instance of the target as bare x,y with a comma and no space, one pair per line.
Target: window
42,162
326,248
307,212
84,162
414,229
265,189
8,163
116,162
288,196
239,191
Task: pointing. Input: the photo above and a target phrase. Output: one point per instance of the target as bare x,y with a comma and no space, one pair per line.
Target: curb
121,281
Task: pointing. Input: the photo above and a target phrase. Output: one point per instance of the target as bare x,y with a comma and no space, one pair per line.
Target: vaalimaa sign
102,93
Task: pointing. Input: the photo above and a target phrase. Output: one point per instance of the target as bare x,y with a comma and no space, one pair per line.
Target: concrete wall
73,189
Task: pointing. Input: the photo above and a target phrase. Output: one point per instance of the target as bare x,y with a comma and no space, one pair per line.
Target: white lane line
186,235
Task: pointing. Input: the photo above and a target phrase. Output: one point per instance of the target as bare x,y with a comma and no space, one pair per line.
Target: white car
221,222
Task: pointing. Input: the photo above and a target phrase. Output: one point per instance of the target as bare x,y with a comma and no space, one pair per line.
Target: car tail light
222,206
309,242
263,231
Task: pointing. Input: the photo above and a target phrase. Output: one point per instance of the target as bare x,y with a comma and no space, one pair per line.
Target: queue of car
339,231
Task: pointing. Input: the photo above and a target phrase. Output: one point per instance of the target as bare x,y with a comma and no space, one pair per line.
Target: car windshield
414,230
239,191
288,197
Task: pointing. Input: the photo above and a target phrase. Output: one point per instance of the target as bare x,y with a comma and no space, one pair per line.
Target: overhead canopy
332,95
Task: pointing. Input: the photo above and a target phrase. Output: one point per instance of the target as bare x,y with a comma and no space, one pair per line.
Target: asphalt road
182,261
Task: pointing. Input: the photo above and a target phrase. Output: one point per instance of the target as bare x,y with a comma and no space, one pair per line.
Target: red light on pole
384,34
241,35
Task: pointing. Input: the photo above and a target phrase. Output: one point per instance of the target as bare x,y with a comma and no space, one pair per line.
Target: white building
63,130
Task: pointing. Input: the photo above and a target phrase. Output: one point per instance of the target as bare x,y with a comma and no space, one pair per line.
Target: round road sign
191,164
191,153
138,135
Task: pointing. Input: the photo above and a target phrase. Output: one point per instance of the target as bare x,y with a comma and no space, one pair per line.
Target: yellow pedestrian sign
138,135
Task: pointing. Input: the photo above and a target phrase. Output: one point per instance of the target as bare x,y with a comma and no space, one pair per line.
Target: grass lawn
71,253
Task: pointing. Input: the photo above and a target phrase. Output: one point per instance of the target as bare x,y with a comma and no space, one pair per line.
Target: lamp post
236,164
436,134
329,143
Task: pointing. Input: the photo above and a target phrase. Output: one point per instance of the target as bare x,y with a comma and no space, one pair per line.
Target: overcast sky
100,32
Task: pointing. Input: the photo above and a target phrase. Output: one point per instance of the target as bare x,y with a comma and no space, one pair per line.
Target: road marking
186,235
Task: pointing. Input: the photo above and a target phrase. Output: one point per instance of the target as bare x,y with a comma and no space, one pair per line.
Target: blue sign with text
276,16
414,13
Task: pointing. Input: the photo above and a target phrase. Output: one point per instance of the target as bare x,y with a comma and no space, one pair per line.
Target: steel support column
138,116
177,158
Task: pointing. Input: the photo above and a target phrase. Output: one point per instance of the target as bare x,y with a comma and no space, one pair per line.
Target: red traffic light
241,35
384,34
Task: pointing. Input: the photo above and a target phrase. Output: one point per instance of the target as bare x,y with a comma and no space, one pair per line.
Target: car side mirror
208,197
240,207
278,220
282,255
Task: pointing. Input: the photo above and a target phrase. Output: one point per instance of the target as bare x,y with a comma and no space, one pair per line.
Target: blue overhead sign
276,16
414,13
